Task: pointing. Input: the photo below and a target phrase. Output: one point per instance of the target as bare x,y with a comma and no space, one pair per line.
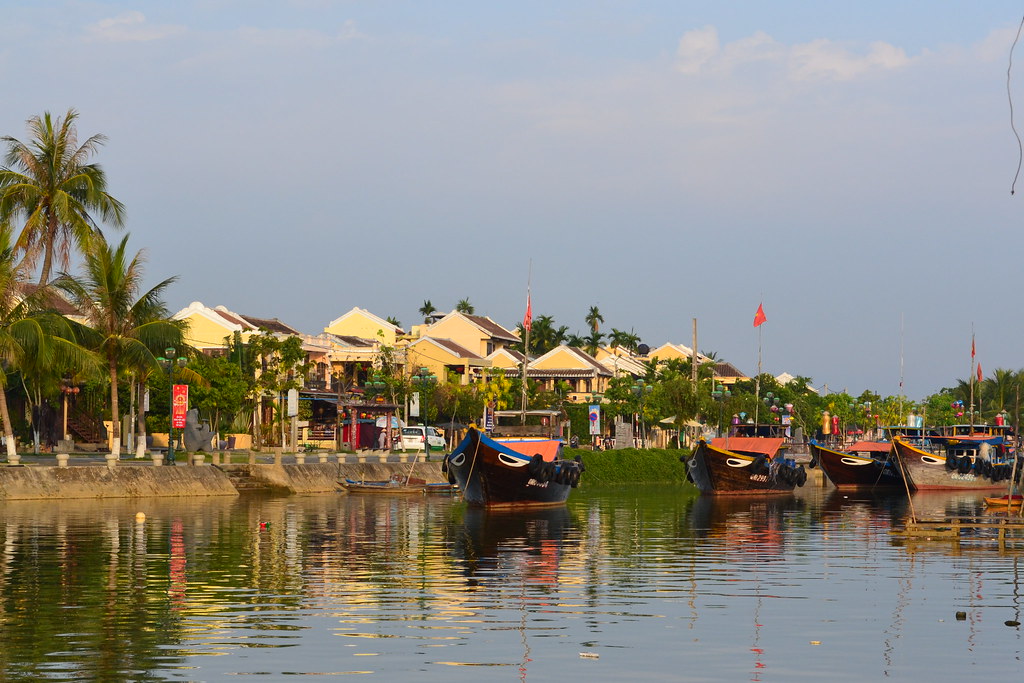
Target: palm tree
594,319
627,340
124,328
426,309
50,182
29,336
464,307
592,342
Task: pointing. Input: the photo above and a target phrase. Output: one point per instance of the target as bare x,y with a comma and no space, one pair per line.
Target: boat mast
901,366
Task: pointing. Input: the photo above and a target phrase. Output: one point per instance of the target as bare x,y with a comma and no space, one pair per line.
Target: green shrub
632,465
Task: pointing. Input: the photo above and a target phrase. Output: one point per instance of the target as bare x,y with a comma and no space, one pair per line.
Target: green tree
279,363
227,389
594,319
124,327
464,306
50,183
426,309
627,340
33,340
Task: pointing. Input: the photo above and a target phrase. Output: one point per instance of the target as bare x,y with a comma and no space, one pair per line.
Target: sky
848,165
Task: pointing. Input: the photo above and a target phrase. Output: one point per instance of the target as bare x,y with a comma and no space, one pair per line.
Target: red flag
980,376
972,347
760,318
528,318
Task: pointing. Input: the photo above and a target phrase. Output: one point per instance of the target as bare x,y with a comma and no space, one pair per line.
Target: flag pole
757,381
971,378
527,324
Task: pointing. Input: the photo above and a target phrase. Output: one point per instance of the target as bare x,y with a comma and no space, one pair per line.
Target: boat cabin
548,424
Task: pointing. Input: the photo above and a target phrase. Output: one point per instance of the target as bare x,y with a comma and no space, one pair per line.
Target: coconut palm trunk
8,428
115,415
140,446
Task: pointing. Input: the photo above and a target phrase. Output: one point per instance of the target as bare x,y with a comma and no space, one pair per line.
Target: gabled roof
371,316
679,349
512,354
233,318
453,348
348,340
272,325
624,364
484,324
219,316
52,299
584,365
724,369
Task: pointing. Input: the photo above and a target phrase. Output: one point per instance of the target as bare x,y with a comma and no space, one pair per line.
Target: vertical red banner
179,405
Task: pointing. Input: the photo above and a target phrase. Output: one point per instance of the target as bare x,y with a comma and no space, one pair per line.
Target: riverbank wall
42,482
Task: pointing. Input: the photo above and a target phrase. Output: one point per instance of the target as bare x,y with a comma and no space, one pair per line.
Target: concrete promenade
38,477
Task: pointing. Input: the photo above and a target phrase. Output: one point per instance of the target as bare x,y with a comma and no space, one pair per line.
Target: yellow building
209,329
361,323
583,373
479,334
443,356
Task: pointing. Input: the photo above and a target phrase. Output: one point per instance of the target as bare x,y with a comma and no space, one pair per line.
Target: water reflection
656,581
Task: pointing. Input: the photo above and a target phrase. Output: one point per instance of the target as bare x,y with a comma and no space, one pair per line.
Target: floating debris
961,616
590,655
1012,622
815,642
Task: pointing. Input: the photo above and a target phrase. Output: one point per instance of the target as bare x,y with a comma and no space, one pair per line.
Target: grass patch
632,465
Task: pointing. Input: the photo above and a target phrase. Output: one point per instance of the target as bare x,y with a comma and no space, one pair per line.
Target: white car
413,438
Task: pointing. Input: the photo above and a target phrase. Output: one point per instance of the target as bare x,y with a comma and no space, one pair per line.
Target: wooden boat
512,472
864,464
393,486
955,459
1005,501
744,466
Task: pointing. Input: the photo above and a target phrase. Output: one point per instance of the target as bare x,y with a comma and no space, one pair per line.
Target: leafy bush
632,465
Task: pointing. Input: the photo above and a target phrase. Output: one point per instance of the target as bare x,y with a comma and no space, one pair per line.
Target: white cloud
700,51
824,59
130,27
696,49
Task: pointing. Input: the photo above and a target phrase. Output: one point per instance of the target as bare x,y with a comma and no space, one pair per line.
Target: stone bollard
300,458
323,458
14,459
62,459
277,456
361,458
198,459
215,458
158,459
111,460
252,457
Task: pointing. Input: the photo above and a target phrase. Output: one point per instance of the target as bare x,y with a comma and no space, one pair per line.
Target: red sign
179,405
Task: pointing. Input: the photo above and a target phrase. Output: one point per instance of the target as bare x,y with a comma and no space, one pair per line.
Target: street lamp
376,384
167,362
423,379
720,395
640,389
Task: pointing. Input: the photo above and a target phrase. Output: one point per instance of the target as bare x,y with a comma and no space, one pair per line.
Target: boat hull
719,472
851,471
926,471
490,474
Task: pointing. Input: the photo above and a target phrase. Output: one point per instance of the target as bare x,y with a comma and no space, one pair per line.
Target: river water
643,584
